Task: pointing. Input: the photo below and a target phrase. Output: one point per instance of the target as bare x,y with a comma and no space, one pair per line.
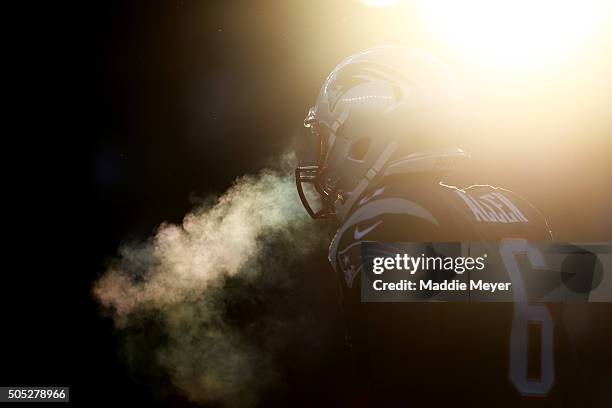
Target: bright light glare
515,33
378,3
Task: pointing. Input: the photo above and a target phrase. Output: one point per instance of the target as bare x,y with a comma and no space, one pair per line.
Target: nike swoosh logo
360,234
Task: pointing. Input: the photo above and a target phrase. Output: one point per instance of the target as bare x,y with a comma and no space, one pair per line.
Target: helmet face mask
316,175
368,118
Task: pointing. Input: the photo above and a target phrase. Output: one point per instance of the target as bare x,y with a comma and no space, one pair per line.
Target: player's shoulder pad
488,203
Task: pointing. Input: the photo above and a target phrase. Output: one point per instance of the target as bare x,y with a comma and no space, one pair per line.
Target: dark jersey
486,354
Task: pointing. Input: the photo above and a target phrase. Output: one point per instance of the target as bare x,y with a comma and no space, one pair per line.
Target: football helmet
383,111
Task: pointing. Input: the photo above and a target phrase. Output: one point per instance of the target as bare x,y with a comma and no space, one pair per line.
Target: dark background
127,110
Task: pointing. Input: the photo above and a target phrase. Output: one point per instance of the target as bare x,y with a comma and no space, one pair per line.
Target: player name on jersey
493,207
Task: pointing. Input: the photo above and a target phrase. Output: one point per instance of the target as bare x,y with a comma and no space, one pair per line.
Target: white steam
178,279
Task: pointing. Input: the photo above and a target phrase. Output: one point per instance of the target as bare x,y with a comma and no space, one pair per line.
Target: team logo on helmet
360,73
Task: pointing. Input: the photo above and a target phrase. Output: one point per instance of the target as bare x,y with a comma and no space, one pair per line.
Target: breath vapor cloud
203,288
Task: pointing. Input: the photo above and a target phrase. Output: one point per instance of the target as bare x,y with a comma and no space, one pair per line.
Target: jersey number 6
526,315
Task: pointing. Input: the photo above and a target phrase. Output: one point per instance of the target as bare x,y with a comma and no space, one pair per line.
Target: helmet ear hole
359,149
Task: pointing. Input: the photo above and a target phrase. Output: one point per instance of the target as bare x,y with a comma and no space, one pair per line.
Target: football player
386,123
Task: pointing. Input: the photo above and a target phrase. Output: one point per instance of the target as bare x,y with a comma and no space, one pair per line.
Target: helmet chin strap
342,209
